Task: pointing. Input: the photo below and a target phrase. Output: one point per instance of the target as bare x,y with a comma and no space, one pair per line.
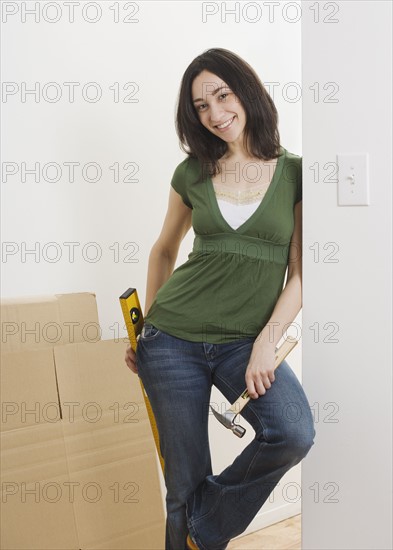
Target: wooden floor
285,535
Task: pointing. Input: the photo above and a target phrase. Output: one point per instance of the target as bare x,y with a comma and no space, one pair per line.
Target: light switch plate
353,180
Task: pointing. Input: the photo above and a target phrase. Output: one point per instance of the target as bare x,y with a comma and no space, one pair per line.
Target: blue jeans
178,375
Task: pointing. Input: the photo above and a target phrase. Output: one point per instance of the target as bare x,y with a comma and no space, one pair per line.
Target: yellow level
133,318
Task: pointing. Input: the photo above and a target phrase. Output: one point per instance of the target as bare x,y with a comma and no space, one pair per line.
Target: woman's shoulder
189,169
292,156
293,173
190,163
293,163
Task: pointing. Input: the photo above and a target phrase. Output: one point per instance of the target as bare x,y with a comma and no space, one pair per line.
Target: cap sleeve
179,181
299,181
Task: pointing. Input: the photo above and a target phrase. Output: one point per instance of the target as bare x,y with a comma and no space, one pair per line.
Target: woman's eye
224,94
201,106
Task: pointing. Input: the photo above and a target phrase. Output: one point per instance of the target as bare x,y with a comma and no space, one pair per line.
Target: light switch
353,187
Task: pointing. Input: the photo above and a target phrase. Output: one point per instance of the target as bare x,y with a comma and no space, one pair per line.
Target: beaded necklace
244,196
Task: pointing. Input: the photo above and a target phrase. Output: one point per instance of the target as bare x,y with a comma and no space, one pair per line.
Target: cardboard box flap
28,389
79,312
96,379
37,322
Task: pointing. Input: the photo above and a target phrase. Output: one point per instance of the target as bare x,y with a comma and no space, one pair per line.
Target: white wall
347,485
152,52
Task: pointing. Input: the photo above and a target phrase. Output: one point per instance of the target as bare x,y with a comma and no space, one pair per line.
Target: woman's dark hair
261,135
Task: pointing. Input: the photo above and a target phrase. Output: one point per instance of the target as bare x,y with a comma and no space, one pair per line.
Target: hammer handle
281,353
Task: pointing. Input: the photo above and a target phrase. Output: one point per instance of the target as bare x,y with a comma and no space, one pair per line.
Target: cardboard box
79,468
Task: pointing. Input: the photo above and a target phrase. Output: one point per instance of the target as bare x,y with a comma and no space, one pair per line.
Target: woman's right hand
130,359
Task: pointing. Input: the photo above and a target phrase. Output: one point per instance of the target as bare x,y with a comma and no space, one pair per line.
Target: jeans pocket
149,332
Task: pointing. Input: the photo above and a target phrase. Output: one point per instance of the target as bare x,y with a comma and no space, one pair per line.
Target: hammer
229,416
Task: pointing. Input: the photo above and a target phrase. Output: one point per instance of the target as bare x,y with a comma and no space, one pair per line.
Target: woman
218,317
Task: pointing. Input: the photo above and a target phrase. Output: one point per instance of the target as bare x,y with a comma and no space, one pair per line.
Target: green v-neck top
229,286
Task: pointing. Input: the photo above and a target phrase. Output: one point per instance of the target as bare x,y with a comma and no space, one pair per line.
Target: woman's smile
225,125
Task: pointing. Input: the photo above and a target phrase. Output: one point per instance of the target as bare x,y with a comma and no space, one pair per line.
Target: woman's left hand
260,369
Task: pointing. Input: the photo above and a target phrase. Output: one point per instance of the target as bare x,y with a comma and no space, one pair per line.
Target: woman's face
218,108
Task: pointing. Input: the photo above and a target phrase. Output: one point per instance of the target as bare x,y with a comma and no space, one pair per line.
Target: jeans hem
191,528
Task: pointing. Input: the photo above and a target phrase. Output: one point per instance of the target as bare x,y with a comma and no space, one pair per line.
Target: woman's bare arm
163,255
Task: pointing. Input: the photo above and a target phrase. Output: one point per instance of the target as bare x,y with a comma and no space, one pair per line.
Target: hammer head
228,420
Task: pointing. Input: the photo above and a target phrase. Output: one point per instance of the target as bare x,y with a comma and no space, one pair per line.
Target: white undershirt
237,206
236,214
